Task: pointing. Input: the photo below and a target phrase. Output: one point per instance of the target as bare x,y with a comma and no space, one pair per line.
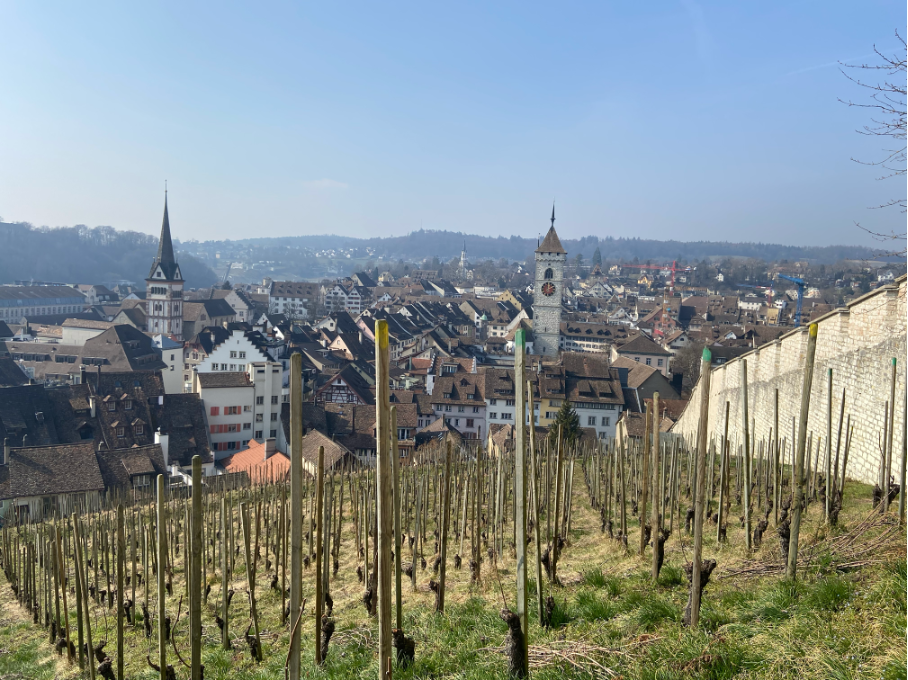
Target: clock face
548,289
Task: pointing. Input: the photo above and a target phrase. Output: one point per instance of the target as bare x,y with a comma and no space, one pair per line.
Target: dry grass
844,618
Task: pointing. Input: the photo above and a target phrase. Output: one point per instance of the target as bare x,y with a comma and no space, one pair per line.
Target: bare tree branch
888,117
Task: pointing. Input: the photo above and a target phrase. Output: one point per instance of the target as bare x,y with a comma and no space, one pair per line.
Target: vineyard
645,557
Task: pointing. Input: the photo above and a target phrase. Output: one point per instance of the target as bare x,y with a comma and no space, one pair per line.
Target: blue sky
687,120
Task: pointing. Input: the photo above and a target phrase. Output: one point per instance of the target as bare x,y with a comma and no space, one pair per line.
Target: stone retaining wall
858,343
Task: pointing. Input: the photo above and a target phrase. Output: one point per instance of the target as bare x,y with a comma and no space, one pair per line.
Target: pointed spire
553,214
165,257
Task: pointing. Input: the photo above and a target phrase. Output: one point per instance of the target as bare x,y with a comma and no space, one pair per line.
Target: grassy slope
830,624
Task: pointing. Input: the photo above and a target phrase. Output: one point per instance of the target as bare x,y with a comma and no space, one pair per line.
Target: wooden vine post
446,517
702,440
534,474
83,581
162,561
644,480
797,499
747,456
195,573
121,569
658,493
888,444
385,506
250,577
520,485
319,556
828,505
296,516
395,485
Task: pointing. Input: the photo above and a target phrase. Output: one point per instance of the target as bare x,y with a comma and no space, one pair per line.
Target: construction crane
801,284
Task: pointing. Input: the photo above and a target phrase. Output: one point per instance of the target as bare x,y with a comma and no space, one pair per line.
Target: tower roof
551,243
165,256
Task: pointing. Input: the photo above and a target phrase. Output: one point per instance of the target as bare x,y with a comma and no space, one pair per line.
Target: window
637,359
460,409
549,273
493,402
121,431
232,367
247,409
649,362
245,442
274,417
509,402
214,366
128,405
659,362
233,355
475,409
259,401
447,407
258,434
274,399
258,417
550,415
493,415
223,367
111,406
242,355
457,421
591,420
231,446
215,410
247,426
469,422
606,421
233,427
273,433
140,429
507,416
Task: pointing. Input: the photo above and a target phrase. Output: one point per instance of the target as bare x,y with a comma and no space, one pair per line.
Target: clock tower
164,288
547,291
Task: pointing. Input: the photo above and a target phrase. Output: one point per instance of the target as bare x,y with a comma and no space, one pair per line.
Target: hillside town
109,385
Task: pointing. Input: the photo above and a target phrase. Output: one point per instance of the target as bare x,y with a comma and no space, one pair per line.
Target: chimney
82,374
5,452
164,441
98,386
270,447
24,440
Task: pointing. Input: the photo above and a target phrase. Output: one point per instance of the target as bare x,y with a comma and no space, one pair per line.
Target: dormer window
128,404
121,431
139,429
111,406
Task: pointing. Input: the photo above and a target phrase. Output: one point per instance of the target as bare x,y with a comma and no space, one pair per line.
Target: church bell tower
547,291
164,288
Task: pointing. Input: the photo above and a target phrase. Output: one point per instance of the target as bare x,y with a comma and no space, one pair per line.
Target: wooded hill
83,255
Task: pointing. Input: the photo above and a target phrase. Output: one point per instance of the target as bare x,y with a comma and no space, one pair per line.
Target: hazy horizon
688,121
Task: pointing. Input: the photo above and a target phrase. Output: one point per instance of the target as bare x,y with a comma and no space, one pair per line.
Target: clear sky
688,120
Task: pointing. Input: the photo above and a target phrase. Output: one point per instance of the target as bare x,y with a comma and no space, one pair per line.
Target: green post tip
707,355
519,337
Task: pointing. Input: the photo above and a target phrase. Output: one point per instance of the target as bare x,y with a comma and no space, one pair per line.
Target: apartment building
240,405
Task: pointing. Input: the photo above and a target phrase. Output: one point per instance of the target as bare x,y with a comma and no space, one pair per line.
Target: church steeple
165,258
164,287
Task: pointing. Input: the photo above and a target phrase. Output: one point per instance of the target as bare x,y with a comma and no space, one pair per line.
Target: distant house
47,481
643,349
293,298
262,461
